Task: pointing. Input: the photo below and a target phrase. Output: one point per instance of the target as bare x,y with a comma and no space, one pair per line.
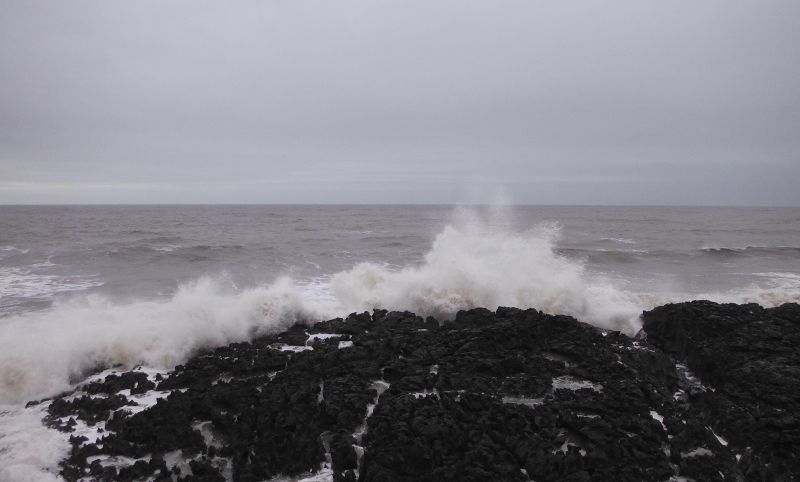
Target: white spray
473,262
40,353
486,263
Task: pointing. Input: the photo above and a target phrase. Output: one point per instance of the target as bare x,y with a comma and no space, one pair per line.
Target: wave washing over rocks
706,392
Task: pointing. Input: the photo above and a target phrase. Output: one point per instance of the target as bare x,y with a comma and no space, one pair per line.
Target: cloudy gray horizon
643,103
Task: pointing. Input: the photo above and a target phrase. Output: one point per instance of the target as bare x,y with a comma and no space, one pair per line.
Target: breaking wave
42,354
473,262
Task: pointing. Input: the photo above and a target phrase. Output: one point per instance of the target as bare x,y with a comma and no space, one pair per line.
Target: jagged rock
136,382
749,358
87,408
512,395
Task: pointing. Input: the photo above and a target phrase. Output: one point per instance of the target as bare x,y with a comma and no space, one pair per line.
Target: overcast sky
673,102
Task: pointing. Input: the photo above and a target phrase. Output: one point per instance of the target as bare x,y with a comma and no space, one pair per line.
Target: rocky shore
706,392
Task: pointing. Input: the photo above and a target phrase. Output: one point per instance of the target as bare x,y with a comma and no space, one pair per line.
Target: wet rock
87,408
513,395
136,382
202,471
748,358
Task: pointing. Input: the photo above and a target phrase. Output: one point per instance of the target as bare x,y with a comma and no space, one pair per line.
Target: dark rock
749,359
89,409
509,396
136,382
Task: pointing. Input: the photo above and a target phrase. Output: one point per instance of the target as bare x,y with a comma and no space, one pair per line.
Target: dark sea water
85,287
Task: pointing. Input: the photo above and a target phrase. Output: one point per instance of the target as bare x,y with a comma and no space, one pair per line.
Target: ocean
84,288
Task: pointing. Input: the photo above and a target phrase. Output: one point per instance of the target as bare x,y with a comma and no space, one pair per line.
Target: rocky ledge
708,392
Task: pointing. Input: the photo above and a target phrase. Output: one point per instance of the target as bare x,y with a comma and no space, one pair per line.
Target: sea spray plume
41,353
485,262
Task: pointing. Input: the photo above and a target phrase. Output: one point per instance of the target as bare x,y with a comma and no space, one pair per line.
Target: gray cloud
436,102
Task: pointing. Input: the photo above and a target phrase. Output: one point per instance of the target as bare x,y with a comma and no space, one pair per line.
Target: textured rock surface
513,395
749,358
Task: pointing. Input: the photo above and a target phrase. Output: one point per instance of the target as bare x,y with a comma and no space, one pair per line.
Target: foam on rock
511,395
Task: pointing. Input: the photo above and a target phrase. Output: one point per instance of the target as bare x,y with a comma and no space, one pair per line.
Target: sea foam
473,262
42,354
478,263
28,450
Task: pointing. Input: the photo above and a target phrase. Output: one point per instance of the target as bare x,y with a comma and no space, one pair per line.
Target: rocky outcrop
512,395
749,358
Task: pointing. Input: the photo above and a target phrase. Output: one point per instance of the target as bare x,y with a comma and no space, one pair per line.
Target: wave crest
473,262
476,263
42,352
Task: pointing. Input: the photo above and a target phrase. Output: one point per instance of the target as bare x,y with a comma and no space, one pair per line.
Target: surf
479,259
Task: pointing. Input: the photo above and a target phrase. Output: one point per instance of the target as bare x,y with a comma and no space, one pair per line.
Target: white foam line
322,336
697,452
291,348
145,400
425,393
572,383
206,429
720,439
325,474
658,417
117,461
690,377
380,386
528,402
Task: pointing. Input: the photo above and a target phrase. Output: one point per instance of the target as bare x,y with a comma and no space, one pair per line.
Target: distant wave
167,249
752,251
26,283
619,240
6,251
13,248
602,256
195,252
394,244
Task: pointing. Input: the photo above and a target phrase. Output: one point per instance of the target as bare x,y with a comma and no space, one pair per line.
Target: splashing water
41,353
473,262
479,264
